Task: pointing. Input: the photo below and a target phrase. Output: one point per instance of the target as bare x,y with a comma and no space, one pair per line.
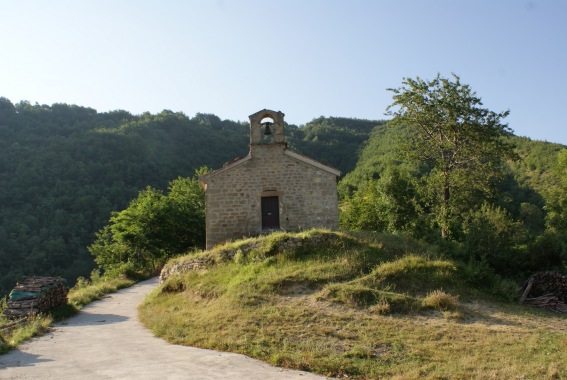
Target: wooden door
270,213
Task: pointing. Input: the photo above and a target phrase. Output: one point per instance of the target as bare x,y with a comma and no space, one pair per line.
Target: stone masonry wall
307,195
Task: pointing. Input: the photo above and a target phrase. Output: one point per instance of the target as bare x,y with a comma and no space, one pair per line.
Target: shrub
492,236
545,252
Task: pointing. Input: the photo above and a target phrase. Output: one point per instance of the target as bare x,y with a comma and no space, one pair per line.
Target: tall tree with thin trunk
461,143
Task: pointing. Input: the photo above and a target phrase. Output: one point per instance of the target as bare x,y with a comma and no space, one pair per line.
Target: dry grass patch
440,300
292,310
335,340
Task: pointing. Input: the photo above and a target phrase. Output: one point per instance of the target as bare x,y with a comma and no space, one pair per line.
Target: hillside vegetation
65,168
360,305
517,227
66,171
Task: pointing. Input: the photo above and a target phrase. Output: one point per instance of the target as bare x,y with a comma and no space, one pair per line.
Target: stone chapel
269,189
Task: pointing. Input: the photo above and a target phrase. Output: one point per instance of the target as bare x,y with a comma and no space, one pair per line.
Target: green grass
34,326
360,306
85,291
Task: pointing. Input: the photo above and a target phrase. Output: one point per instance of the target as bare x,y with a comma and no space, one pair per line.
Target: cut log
528,288
547,290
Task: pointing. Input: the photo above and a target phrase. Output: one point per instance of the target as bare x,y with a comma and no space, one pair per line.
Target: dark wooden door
270,213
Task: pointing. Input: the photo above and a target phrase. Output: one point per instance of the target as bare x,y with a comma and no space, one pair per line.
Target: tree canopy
154,227
462,143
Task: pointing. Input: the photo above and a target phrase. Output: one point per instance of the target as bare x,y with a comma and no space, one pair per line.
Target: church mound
251,249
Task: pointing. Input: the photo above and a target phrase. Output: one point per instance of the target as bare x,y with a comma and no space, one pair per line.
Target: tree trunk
445,208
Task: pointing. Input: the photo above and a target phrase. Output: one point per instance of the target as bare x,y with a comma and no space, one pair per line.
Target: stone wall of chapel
307,195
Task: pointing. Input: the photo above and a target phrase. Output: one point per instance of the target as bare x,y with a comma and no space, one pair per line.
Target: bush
546,253
482,277
491,236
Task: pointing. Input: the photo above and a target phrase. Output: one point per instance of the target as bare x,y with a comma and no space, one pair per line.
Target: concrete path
106,341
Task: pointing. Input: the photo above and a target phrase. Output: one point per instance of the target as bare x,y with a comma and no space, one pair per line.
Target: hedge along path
107,341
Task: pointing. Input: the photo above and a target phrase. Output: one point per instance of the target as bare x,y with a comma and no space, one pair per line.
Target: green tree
557,205
153,228
397,201
360,211
386,204
493,237
462,143
551,247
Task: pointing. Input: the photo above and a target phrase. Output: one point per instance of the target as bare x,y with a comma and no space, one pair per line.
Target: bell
267,131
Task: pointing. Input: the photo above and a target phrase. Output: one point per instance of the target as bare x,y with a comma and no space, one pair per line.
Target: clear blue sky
307,58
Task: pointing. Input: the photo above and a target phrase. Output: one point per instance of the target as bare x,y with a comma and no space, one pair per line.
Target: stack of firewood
547,290
36,295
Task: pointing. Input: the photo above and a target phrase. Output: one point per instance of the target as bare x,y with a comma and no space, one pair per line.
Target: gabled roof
299,157
229,165
312,162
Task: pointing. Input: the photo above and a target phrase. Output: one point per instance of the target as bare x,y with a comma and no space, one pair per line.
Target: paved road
106,341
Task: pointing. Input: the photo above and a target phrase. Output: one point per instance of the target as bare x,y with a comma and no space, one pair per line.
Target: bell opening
267,129
268,124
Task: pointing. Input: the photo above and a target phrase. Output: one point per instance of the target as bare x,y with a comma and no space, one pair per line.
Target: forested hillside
518,228
335,141
65,168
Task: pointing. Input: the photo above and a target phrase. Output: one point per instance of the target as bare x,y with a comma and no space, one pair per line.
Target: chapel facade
271,188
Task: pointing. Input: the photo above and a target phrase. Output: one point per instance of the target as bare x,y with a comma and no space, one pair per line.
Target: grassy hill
355,305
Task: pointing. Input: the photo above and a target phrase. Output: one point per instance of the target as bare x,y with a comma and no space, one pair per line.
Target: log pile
547,290
36,295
